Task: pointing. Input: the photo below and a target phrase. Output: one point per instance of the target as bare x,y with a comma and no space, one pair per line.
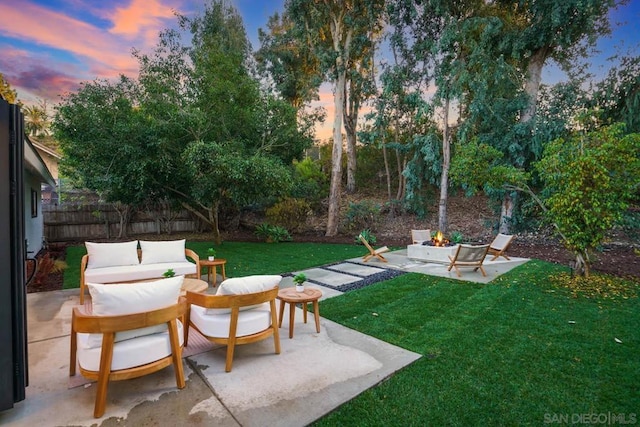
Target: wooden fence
102,222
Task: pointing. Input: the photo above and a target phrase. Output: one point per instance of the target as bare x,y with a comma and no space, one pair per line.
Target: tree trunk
387,172
581,265
444,177
350,121
336,158
531,87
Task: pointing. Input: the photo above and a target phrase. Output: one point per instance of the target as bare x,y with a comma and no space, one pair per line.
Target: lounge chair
373,252
242,311
469,256
499,246
419,236
132,330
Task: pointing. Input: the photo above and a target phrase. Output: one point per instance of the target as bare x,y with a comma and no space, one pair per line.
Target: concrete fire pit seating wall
434,254
124,262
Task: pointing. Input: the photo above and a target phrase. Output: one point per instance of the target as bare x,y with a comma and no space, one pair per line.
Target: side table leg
292,316
282,303
304,311
316,312
215,275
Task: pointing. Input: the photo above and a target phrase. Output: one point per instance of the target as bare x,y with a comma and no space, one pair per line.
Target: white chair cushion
162,251
137,272
112,254
127,298
217,325
248,284
128,353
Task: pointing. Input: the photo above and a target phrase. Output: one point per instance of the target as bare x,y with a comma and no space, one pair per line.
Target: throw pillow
248,284
162,251
112,254
127,298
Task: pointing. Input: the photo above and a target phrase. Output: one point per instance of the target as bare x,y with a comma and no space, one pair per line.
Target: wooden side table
291,296
213,265
193,285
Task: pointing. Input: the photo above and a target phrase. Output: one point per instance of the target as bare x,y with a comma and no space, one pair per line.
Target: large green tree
195,98
536,32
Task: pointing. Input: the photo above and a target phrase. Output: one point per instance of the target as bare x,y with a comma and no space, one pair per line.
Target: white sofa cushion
244,285
162,251
128,298
217,325
137,272
128,353
112,254
248,284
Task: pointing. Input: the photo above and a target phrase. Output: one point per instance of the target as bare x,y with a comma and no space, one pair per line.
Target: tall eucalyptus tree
334,28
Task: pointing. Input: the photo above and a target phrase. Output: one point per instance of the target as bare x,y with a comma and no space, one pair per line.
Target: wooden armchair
469,256
419,236
499,246
373,252
234,319
130,358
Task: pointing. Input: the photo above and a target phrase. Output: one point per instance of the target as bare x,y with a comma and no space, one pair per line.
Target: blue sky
47,47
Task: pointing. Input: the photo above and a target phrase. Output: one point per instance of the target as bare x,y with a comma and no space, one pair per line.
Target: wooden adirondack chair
373,252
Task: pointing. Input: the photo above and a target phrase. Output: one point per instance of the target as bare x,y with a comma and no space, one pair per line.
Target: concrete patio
314,374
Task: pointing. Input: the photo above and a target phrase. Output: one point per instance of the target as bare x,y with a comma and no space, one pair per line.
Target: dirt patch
471,216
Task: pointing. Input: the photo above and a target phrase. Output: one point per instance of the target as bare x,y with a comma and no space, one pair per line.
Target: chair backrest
365,243
471,253
231,301
419,236
501,241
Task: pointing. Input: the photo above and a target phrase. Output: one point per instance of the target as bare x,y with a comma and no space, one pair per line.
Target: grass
517,351
246,258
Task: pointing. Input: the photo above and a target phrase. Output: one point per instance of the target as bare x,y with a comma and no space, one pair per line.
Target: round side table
212,265
293,297
193,285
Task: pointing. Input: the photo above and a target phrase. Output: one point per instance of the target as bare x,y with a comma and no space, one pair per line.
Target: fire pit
438,240
436,250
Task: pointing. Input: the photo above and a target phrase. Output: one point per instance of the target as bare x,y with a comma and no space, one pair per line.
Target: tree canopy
194,127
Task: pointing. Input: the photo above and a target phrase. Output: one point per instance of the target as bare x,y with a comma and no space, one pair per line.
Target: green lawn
516,351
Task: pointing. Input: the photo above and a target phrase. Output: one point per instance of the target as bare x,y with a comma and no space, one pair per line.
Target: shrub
272,233
368,236
289,213
309,182
363,215
456,237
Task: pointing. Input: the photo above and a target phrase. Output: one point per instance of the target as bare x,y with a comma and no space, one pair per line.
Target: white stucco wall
33,226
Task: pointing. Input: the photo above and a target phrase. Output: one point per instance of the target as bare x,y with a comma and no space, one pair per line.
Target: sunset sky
48,46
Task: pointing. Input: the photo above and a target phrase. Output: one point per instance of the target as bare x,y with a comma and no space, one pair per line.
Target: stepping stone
331,278
357,269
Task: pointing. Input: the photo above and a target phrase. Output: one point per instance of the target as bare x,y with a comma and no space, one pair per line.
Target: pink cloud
37,24
141,19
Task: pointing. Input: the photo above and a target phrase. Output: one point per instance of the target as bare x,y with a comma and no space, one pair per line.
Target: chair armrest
83,266
196,258
90,323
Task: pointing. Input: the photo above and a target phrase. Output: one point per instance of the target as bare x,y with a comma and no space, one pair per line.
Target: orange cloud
141,19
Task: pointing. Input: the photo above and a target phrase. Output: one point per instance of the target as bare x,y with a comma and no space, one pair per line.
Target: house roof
34,163
40,146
